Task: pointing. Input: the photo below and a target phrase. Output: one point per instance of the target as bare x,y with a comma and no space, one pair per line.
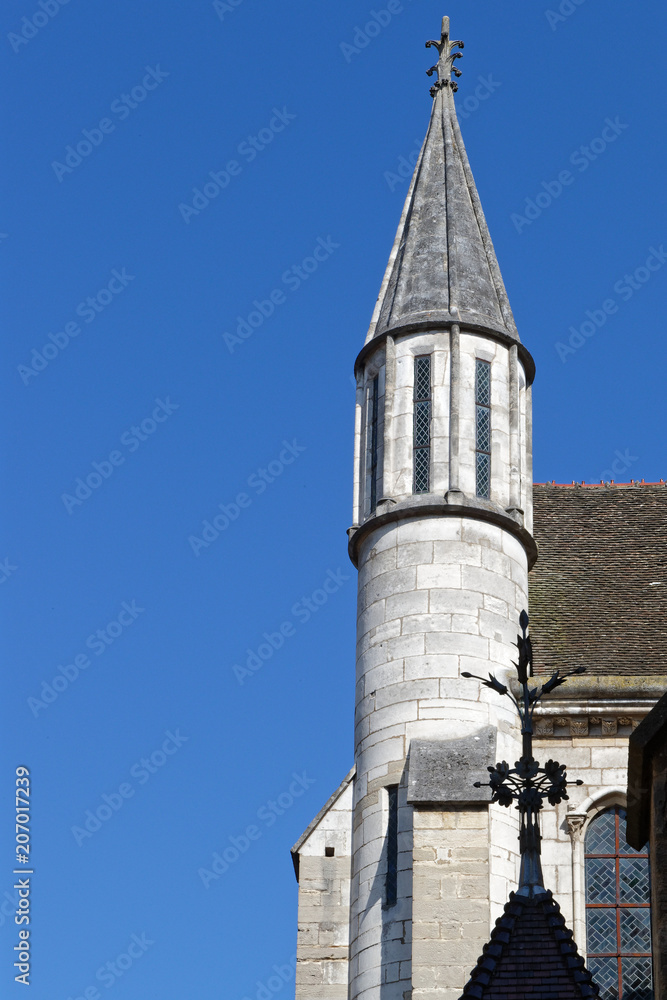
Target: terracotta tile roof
531,956
598,592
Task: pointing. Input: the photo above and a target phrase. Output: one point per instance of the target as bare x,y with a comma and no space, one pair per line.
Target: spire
443,268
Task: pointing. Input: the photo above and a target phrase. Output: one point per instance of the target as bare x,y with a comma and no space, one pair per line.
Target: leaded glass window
391,879
422,425
618,911
373,442
483,428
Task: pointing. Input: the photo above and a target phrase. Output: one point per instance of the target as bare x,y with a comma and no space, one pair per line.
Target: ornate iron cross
527,783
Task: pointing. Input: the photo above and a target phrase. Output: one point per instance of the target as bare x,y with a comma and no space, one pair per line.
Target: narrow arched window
422,425
373,441
618,912
483,428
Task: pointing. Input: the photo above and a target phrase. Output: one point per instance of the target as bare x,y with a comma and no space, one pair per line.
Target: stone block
444,770
454,601
396,581
487,582
426,623
374,737
431,529
497,606
407,691
393,715
431,665
475,819
459,644
441,577
405,604
606,757
466,624
385,631
384,537
415,554
382,676
482,533
405,645
497,562
370,617
382,562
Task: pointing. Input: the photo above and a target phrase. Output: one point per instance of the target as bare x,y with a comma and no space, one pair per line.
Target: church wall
602,764
451,898
324,906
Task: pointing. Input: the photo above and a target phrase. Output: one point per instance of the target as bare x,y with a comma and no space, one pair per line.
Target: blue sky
174,358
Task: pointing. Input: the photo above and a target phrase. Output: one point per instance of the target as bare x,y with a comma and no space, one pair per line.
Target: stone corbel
575,824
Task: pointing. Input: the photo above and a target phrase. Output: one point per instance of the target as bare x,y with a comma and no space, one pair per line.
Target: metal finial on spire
445,64
527,783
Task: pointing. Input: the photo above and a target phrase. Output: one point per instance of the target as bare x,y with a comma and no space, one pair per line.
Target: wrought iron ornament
527,783
445,64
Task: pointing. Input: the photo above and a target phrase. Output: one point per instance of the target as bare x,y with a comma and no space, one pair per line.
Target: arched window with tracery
618,912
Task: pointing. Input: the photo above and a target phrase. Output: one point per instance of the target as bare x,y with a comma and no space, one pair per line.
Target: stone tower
403,871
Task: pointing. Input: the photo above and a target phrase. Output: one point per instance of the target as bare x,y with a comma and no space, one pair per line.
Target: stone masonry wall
437,595
602,764
324,906
451,899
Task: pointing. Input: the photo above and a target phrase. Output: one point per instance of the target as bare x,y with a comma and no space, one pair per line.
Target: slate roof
598,592
531,956
443,267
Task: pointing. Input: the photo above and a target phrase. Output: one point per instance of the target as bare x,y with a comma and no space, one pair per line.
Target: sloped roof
598,592
531,956
314,823
443,266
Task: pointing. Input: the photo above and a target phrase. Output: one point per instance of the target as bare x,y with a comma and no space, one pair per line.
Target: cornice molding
433,506
444,321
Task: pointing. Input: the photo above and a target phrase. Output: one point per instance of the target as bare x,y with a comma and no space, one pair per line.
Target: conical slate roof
443,267
531,955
